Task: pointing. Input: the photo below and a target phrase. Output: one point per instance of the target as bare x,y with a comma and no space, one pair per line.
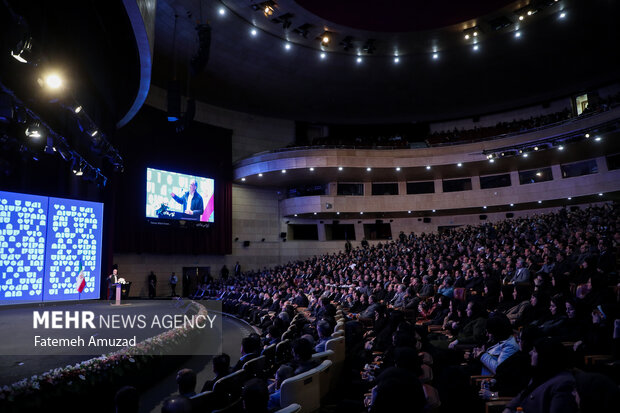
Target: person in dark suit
191,200
250,349
112,280
221,368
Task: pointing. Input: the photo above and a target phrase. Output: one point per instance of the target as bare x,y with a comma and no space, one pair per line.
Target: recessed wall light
428,167
397,168
311,169
368,169
260,175
340,168
459,164
283,171
243,179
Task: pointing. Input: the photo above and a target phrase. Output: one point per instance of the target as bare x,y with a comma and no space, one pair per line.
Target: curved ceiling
261,64
400,15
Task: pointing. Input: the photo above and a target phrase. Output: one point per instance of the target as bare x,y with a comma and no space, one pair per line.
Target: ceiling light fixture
459,164
428,167
396,59
260,175
283,171
222,11
598,139
340,168
368,169
435,56
358,60
243,179
253,32
311,169
397,168
323,55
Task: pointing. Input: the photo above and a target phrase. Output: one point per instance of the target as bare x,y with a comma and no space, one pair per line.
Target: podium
117,295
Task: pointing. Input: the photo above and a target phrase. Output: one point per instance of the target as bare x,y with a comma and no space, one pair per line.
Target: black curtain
149,140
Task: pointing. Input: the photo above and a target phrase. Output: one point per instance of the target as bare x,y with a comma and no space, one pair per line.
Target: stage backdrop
150,141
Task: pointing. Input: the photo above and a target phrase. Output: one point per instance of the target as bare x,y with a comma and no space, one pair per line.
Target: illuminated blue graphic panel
23,221
45,244
73,240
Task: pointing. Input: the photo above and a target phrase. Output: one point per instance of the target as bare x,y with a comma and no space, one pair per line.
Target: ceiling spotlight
323,55
295,215
53,81
253,32
79,172
268,10
587,135
337,213
260,175
222,11
466,37
598,139
492,160
535,148
34,131
600,194
521,18
287,46
529,12
562,15
512,205
325,39
517,34
435,56
434,210
314,213
396,59
475,47
283,171
525,155
397,168
569,198
475,34
340,168
78,109
428,167
94,133
409,212
459,164
359,59
561,147
361,213
311,169
484,207
243,179
538,173
368,169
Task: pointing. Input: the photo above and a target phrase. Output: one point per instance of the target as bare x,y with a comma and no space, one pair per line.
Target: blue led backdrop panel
23,228
73,240
45,243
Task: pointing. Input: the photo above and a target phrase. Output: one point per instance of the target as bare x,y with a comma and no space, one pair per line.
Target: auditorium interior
372,206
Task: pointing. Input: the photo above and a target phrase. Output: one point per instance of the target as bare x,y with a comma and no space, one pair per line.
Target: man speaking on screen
191,200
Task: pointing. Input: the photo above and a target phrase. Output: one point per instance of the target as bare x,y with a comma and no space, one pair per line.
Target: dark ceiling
400,15
553,58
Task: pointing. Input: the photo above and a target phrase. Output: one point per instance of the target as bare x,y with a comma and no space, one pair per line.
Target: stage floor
16,367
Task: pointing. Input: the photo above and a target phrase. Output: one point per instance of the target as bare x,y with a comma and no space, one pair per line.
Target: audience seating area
518,313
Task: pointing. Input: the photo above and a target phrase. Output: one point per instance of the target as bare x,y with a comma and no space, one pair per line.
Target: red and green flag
81,281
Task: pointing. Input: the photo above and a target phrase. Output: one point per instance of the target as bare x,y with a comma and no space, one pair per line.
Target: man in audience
283,373
186,380
255,396
127,400
176,404
302,356
221,368
324,331
250,349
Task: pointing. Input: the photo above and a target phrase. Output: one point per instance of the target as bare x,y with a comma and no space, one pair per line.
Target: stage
12,321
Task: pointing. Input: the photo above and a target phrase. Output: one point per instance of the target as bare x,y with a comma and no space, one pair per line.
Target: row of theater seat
302,393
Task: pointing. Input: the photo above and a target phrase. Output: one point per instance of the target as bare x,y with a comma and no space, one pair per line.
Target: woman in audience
551,388
474,332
